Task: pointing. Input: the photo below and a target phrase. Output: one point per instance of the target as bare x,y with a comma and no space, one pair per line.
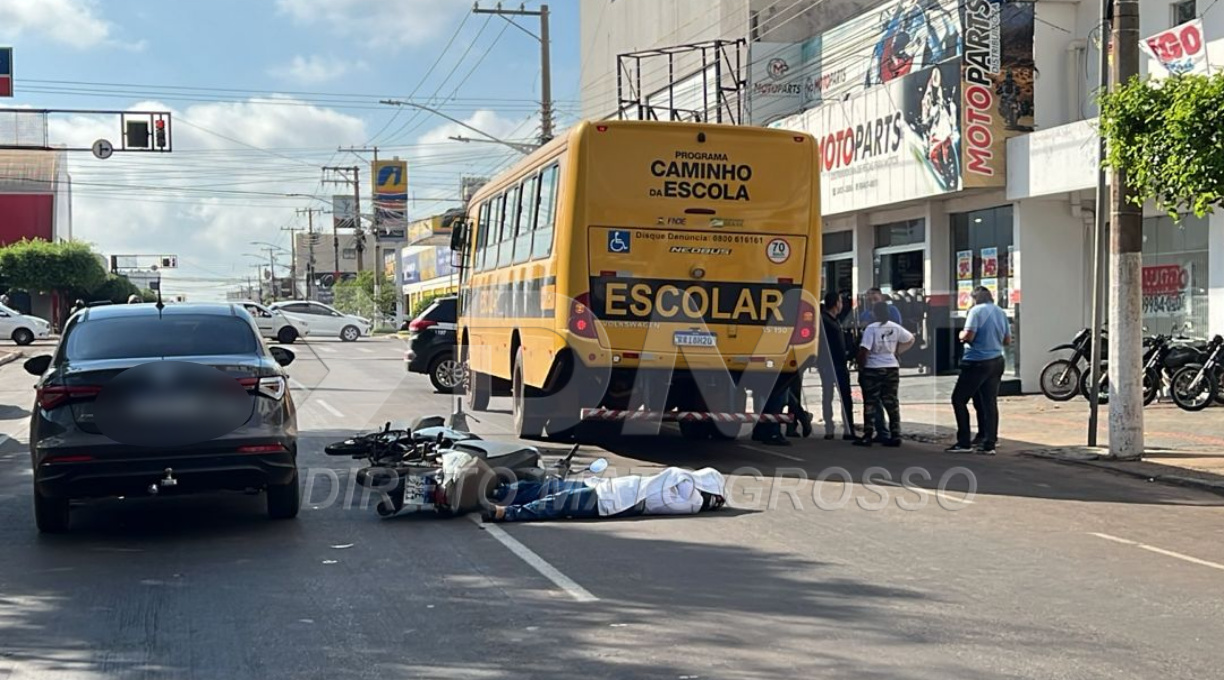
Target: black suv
143,400
431,345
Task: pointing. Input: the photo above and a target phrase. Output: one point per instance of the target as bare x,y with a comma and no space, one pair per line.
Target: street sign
103,149
6,72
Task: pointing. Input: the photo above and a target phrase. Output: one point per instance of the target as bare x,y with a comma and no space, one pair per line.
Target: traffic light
160,132
169,262
137,134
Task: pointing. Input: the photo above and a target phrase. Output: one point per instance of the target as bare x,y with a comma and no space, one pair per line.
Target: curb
1092,460
10,357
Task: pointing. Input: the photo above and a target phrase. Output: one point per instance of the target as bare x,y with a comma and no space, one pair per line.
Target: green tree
1168,135
115,288
43,267
357,296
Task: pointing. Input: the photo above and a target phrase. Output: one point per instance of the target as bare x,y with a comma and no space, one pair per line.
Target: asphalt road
1044,571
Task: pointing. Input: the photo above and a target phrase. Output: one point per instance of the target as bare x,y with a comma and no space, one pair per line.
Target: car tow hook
168,481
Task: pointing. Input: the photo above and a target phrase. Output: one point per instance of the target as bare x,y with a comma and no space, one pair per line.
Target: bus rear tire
477,389
528,403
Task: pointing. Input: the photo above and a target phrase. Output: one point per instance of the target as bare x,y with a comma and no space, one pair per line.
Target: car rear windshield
441,310
169,336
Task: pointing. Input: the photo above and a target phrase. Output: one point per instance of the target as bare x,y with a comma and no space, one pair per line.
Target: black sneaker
958,448
985,450
893,443
776,440
864,442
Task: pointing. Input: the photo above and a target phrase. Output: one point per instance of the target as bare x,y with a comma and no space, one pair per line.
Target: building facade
958,148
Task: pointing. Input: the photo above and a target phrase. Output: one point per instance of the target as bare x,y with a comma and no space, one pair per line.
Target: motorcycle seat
501,454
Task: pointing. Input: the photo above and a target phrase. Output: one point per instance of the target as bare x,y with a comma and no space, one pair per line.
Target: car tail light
51,460
805,325
581,320
421,324
51,396
273,387
263,448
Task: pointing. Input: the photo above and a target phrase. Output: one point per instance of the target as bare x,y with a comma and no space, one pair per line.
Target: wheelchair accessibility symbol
618,241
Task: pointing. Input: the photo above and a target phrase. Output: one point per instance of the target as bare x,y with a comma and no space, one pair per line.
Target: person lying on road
674,491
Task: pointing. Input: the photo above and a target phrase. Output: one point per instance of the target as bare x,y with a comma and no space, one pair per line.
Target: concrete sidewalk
1182,447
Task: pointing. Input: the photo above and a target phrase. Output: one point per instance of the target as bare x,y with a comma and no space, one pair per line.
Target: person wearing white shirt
674,491
880,373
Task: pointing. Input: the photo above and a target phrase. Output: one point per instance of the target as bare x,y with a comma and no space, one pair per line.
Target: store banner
1166,290
411,268
775,81
997,85
964,295
1179,51
893,143
964,265
390,199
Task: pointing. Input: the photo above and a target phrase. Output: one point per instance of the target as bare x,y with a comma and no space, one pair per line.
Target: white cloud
484,120
380,23
153,203
315,69
77,23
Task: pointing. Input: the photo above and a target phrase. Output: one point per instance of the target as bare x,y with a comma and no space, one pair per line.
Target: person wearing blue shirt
987,331
874,296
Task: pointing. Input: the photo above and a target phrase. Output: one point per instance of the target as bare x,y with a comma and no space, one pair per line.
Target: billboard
390,199
1179,50
916,99
344,211
775,81
6,72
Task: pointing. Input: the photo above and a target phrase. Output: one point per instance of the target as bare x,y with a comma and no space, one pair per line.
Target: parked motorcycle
1061,378
1194,386
1155,350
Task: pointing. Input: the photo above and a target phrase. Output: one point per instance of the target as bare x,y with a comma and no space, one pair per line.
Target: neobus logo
695,174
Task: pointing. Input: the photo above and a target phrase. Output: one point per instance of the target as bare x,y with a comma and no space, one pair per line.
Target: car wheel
50,514
350,334
287,335
23,336
284,500
445,373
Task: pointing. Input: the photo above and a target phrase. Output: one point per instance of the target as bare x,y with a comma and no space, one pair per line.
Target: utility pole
355,181
546,114
310,244
1126,265
292,258
374,221
1099,229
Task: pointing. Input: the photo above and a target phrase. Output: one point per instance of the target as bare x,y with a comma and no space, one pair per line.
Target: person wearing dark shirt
831,364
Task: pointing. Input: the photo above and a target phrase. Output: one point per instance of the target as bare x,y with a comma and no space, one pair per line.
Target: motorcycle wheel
1198,400
1151,386
1103,387
1060,380
1219,381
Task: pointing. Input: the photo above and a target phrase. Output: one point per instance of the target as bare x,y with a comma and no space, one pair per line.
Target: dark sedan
143,400
431,345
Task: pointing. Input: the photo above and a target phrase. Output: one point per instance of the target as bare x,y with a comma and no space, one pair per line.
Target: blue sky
263,91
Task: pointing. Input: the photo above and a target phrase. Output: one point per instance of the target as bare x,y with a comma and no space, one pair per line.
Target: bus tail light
805,325
581,321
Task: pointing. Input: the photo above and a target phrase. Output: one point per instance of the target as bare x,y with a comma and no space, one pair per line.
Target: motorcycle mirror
598,465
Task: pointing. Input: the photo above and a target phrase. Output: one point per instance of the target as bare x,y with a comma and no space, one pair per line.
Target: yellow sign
390,180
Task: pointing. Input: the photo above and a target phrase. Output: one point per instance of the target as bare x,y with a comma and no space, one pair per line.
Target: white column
1215,276
864,254
1055,286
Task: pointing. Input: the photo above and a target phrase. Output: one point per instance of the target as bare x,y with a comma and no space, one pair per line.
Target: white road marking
924,492
771,453
367,350
329,408
329,350
1159,551
546,570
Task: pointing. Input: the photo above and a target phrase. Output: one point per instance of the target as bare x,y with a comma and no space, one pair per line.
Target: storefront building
958,150
427,263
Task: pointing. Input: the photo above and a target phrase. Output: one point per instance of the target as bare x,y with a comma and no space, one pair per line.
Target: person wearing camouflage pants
880,373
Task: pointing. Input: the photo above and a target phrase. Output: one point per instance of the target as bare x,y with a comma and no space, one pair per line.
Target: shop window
909,232
837,243
982,253
1175,275
837,277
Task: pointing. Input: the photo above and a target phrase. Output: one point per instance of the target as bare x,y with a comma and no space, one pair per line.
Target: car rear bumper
132,475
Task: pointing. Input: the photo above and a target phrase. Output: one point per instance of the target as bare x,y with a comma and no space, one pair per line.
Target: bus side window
482,237
495,224
547,213
509,225
527,213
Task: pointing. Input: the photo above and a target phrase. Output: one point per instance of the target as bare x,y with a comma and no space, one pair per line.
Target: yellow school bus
634,270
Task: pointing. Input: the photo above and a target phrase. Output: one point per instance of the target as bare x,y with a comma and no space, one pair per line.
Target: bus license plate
691,339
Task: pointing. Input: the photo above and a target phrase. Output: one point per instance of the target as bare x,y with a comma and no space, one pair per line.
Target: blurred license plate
692,339
416,490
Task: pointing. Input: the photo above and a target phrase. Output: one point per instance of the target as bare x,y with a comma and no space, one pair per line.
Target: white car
274,324
324,320
22,329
